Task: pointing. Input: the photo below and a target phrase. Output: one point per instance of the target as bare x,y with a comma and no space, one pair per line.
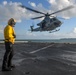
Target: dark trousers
7,59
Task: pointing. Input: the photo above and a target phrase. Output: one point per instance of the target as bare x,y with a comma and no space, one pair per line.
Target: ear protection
11,22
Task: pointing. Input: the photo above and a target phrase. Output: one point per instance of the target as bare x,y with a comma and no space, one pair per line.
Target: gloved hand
14,35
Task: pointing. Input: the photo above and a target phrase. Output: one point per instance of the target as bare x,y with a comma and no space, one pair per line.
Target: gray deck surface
42,59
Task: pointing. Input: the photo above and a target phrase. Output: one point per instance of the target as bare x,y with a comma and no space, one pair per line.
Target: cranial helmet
11,21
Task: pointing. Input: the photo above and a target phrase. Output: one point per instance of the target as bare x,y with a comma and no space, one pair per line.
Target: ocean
56,41
45,40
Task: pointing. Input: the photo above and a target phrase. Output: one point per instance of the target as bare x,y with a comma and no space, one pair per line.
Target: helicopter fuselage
48,24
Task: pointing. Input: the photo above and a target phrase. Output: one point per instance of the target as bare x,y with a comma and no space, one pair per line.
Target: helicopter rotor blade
31,9
38,17
69,7
59,17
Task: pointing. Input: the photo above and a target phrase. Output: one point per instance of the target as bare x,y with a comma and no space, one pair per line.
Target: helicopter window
56,24
43,24
54,19
50,20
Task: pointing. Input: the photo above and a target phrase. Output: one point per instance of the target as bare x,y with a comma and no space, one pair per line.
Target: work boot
7,69
13,66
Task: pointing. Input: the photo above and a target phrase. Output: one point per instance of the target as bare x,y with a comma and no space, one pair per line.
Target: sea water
45,40
56,41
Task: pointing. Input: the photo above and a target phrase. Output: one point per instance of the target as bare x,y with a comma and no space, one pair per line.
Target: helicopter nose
57,24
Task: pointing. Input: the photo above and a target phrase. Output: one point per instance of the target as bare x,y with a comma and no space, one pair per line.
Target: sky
10,9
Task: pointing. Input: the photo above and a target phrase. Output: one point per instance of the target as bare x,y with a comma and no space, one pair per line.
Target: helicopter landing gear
54,31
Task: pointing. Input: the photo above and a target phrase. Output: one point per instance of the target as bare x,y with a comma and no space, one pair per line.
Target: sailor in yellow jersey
9,35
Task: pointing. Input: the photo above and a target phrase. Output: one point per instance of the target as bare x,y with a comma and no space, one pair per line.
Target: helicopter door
43,24
51,20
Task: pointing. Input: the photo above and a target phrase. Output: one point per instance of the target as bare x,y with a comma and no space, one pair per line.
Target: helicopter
47,24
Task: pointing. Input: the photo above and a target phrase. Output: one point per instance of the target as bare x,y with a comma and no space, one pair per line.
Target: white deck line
40,49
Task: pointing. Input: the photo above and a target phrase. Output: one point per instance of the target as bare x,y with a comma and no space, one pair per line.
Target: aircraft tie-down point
47,24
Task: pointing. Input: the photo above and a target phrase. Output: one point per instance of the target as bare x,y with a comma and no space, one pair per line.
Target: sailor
9,35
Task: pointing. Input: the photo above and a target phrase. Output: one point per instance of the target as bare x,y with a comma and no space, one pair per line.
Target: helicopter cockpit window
43,24
54,19
50,20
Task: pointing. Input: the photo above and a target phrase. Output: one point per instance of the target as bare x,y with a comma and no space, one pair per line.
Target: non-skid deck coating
42,59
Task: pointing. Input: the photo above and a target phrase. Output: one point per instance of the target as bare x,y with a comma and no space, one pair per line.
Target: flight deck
42,59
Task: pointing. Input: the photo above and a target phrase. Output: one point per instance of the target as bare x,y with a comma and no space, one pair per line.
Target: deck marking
41,49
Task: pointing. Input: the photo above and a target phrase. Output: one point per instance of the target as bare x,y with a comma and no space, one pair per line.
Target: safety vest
9,34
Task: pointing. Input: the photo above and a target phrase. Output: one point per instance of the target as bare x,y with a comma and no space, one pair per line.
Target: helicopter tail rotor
31,28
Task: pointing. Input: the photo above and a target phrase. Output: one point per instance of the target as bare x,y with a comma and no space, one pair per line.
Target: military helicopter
47,24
